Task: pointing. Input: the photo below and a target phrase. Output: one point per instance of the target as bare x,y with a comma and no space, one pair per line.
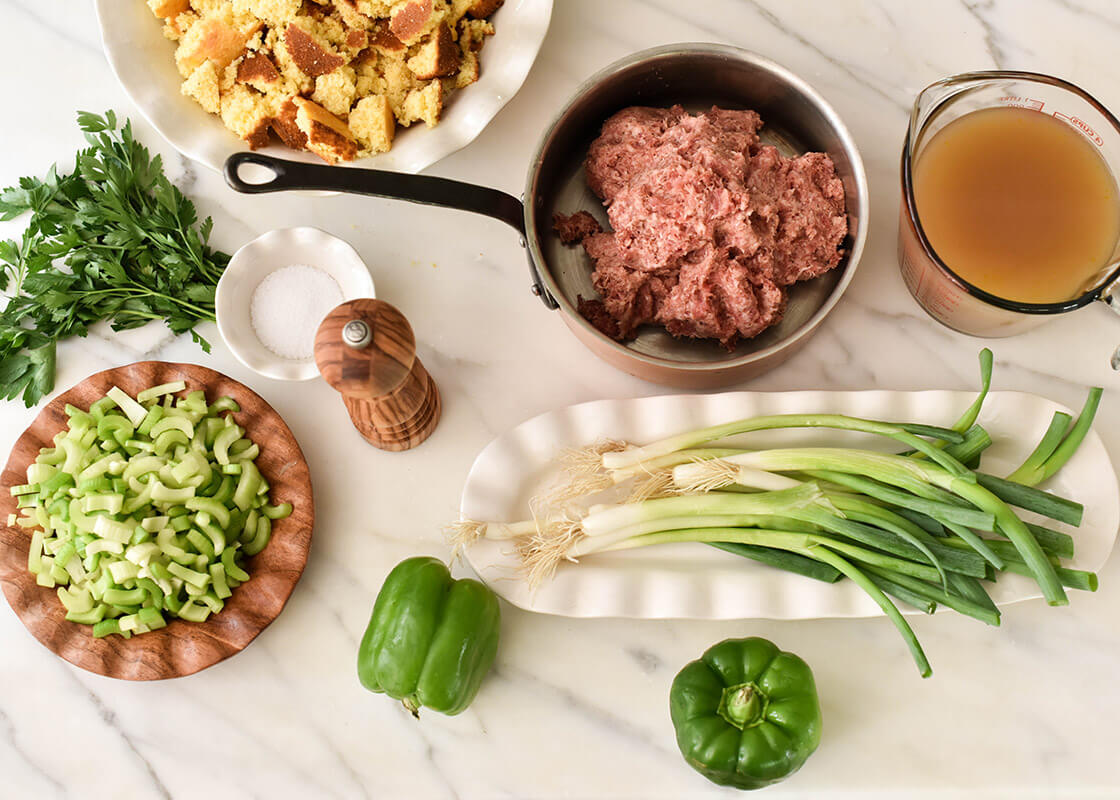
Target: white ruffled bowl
253,263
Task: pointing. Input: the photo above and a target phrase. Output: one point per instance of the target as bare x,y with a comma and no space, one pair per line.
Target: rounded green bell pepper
431,639
746,713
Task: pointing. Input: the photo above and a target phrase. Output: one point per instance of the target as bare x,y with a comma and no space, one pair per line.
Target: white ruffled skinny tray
695,581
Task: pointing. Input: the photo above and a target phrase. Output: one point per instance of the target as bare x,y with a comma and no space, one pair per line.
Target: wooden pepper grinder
365,349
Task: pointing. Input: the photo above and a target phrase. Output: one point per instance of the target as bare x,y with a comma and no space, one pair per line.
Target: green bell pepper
431,639
746,713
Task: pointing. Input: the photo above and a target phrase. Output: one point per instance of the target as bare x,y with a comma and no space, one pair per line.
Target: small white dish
253,263
144,63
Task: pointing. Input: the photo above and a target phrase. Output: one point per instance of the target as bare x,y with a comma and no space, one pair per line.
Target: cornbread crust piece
439,57
373,124
246,112
327,136
411,20
259,72
383,40
312,58
284,124
481,9
202,85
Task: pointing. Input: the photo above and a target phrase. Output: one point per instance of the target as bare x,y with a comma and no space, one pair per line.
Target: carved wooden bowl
182,647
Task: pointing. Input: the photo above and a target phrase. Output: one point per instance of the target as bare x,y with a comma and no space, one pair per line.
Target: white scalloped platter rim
143,61
692,581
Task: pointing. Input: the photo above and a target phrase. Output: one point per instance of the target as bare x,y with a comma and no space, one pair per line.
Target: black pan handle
427,189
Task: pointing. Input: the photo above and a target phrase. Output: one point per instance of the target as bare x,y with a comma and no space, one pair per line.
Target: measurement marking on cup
1082,126
1022,102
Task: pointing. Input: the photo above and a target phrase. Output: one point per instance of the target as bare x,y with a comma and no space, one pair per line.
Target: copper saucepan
697,76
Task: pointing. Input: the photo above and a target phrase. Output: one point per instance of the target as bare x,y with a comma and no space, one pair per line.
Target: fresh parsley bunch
114,240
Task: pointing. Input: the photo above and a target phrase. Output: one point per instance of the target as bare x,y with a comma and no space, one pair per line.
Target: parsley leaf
114,240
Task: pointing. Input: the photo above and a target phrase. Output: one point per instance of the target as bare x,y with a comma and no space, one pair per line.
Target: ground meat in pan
709,225
574,228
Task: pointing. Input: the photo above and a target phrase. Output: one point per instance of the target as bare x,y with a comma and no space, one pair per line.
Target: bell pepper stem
742,705
412,703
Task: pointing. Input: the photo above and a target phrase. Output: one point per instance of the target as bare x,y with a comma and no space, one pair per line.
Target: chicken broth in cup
1010,209
1018,203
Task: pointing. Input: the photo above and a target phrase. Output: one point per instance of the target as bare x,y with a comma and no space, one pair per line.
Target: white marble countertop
576,708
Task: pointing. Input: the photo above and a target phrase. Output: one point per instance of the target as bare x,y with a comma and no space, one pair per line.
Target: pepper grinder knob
365,349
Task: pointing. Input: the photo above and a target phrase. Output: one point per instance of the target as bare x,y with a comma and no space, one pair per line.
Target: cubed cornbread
334,77
412,20
439,57
219,37
422,105
271,12
327,136
348,12
481,9
335,91
373,124
176,26
202,85
248,113
375,9
167,9
257,70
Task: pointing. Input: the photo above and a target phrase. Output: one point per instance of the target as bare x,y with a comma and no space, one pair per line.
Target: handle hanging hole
256,174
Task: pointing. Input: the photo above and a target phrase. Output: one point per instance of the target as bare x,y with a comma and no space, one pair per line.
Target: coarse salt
287,307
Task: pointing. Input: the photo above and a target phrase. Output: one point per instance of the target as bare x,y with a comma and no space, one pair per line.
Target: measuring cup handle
1110,296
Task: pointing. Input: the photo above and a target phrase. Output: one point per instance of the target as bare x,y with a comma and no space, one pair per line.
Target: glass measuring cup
942,293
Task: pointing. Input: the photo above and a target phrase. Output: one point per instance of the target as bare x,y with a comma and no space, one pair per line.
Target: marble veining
576,708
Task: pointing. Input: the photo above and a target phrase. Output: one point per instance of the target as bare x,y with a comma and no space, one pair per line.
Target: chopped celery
194,613
277,512
91,617
212,507
110,530
154,415
188,575
247,486
218,581
35,554
164,388
143,508
102,502
105,628
229,564
263,534
224,404
169,423
201,543
133,410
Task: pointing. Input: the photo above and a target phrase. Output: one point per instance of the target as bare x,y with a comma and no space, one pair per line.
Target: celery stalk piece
133,410
157,391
